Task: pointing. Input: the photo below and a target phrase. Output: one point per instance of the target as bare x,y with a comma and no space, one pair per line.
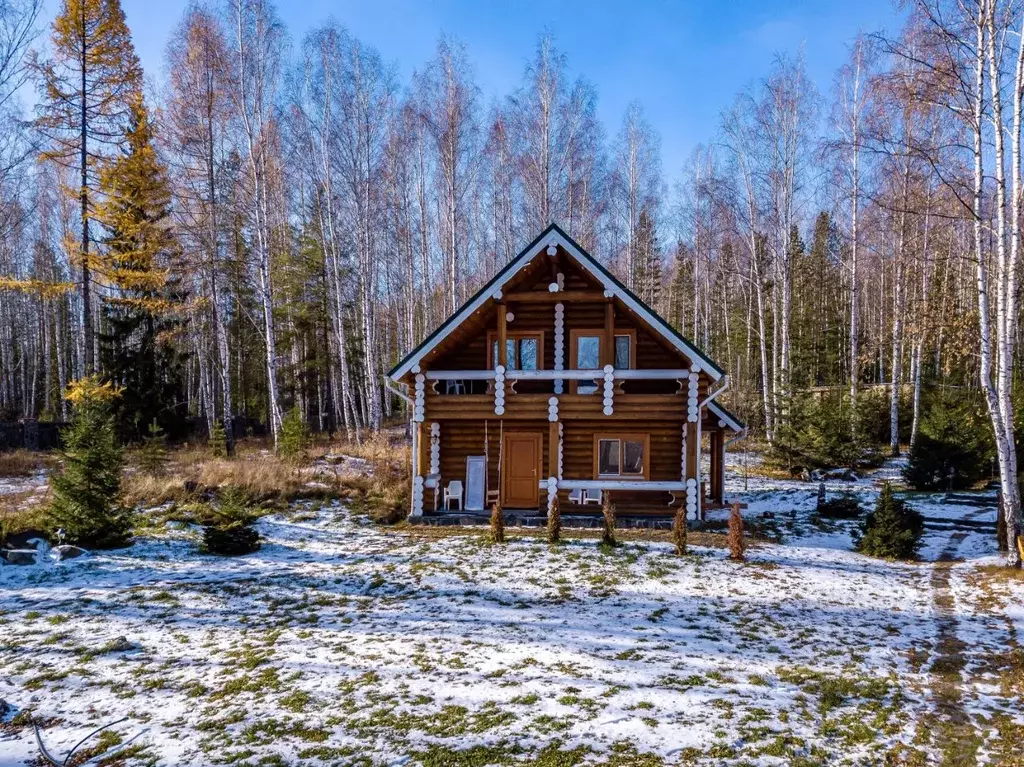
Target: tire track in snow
955,736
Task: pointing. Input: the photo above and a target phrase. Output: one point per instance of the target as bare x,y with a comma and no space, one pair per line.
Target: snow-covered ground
341,642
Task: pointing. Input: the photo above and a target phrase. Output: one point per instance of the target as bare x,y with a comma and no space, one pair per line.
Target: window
587,350
623,357
621,456
586,354
522,351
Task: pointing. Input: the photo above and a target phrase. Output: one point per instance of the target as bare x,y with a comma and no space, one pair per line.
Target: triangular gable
554,235
726,417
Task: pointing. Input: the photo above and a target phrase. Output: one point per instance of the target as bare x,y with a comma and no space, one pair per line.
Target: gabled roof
554,235
730,420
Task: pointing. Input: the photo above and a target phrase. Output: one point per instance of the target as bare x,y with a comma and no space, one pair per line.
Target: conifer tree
87,92
679,531
139,253
893,530
87,489
555,522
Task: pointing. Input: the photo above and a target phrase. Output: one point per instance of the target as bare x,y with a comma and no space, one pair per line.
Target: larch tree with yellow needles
87,89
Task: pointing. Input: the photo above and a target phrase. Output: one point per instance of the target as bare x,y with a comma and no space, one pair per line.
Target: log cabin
555,380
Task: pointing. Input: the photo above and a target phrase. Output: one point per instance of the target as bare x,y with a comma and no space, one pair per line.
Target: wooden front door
521,470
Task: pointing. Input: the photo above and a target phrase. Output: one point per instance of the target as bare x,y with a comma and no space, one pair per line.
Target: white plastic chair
584,497
457,386
453,493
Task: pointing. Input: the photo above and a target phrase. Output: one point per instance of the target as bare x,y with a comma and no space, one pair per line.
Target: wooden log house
554,379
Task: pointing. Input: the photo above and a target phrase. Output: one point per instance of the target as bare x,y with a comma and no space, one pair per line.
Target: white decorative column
435,457
553,409
693,391
609,389
561,438
499,390
552,493
691,498
417,417
559,363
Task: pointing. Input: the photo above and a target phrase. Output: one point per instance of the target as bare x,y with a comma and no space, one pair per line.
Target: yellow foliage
91,390
41,288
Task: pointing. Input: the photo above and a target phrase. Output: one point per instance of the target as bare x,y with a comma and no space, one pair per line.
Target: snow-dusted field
345,643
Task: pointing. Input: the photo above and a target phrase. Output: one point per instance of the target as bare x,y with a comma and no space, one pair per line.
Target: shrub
497,523
219,440
844,506
817,433
607,519
231,533
953,446
555,522
87,488
153,453
872,417
893,530
679,531
737,545
294,436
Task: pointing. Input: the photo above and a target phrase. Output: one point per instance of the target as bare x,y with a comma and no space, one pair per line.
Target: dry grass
20,512
23,463
192,474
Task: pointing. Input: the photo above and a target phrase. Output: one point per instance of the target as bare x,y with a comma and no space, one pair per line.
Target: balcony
616,394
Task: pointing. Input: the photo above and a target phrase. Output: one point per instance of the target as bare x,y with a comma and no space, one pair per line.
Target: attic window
522,351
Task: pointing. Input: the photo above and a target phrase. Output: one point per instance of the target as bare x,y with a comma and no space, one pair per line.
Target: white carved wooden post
609,389
561,438
559,363
435,457
499,390
417,417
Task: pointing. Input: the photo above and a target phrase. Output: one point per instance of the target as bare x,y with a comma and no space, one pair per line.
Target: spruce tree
87,489
140,253
680,531
153,453
893,530
294,436
555,522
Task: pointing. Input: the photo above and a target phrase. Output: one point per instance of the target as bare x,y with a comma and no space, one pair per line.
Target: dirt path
953,733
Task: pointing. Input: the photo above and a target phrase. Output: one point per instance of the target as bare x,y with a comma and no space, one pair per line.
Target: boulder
28,539
66,551
19,556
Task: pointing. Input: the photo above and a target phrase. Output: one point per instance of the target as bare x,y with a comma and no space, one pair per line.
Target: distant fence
30,435
45,435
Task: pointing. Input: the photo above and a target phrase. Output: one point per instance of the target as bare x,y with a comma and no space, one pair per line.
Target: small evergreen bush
87,489
844,506
953,446
734,538
893,530
607,519
231,532
153,453
219,439
294,436
497,523
679,531
555,522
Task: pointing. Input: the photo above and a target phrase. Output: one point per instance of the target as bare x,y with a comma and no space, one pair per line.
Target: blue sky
683,60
